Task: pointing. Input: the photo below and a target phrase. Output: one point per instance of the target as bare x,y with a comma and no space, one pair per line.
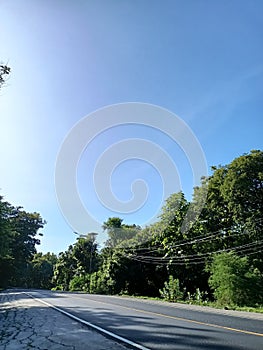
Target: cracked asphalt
28,324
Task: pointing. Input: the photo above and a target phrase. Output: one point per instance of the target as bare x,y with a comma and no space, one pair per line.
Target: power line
198,258
219,234
176,257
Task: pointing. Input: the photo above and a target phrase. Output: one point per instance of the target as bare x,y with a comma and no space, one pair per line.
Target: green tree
65,269
18,230
85,253
243,191
168,251
119,232
25,226
6,240
75,266
42,270
234,207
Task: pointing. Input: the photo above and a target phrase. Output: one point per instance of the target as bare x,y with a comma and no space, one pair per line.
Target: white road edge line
101,330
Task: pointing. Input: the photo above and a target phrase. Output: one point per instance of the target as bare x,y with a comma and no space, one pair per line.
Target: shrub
99,283
79,283
59,287
171,290
234,281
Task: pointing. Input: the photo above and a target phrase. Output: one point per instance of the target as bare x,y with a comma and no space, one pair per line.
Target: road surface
27,324
159,325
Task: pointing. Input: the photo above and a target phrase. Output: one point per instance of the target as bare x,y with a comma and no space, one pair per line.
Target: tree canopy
18,240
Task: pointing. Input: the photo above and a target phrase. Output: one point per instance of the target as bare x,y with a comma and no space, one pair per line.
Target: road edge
103,331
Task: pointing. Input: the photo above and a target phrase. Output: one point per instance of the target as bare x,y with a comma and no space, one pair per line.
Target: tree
85,253
18,230
234,207
74,267
6,240
242,190
25,227
65,269
119,232
42,270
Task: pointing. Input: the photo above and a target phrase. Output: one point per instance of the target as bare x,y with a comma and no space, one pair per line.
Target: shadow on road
161,336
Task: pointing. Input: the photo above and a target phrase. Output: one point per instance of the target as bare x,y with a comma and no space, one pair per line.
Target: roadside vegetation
20,264
217,261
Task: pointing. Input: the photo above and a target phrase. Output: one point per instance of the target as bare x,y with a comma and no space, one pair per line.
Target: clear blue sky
200,59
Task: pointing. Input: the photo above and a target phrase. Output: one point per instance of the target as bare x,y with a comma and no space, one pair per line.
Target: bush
234,281
171,290
79,283
59,287
99,283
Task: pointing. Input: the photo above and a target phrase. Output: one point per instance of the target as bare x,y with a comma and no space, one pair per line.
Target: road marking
101,330
178,318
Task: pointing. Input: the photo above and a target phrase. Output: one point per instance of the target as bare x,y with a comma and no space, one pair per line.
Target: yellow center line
177,318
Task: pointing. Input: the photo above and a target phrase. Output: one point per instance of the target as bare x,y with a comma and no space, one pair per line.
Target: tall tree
25,227
243,191
42,270
6,240
235,203
119,232
81,259
86,255
65,269
18,230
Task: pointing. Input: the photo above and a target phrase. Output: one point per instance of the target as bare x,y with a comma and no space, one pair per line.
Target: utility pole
92,236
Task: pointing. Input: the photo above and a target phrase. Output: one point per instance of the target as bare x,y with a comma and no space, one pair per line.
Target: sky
199,62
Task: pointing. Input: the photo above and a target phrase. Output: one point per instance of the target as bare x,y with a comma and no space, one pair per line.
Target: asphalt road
28,324
158,325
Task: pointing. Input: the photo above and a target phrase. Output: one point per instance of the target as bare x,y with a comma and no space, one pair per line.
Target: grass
214,304
258,309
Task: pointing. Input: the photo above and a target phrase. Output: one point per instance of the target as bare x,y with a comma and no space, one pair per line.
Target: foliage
119,232
64,270
81,259
80,283
85,253
242,190
171,290
6,241
199,297
100,283
235,200
42,270
234,281
18,230
4,72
